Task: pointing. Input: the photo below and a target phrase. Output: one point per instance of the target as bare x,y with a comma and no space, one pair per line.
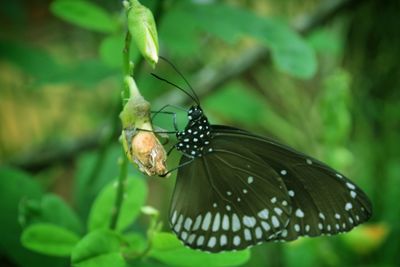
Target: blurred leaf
366,238
111,50
326,41
49,239
15,186
169,250
51,209
134,244
84,14
32,60
334,107
135,194
181,41
100,248
40,65
301,250
290,52
253,111
94,170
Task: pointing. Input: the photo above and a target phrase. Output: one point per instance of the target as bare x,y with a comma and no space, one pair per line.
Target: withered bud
140,143
146,151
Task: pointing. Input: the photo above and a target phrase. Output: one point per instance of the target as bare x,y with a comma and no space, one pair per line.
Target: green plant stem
123,174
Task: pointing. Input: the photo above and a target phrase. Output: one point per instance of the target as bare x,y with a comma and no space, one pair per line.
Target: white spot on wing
348,206
173,220
266,226
250,179
235,222
263,214
299,213
191,238
225,222
278,211
350,186
188,223
249,221
212,242
236,240
273,200
216,223
247,234
223,240
291,193
258,232
283,172
197,223
206,222
200,240
353,194
275,221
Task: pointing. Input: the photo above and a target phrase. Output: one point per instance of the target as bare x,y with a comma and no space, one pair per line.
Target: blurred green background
321,76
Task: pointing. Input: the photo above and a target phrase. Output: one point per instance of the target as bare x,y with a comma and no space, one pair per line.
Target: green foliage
98,248
290,52
253,110
84,14
135,194
50,209
49,239
168,249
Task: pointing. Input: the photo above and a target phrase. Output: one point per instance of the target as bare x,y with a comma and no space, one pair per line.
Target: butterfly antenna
183,77
171,83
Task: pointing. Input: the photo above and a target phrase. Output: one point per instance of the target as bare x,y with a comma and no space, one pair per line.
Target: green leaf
134,243
51,209
84,14
15,186
91,176
253,109
290,52
49,239
99,248
135,194
169,250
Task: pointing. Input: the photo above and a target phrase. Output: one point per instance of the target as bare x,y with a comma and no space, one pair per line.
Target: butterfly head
195,113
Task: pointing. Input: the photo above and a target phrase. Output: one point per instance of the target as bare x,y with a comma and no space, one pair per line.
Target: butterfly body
235,189
194,140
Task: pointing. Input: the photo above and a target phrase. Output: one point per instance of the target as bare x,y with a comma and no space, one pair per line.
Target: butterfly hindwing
228,199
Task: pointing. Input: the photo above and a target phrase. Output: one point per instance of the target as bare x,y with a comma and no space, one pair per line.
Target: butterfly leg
173,117
177,167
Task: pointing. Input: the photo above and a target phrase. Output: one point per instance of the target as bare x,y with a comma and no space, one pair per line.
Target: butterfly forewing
229,199
323,201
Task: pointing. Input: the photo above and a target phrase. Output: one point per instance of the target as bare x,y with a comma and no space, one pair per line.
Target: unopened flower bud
143,29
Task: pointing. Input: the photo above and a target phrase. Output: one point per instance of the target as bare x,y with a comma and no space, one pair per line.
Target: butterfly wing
323,201
228,199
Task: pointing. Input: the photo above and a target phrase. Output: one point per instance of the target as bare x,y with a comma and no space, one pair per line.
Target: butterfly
235,189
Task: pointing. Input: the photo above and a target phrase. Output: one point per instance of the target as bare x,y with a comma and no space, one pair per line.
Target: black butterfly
235,189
